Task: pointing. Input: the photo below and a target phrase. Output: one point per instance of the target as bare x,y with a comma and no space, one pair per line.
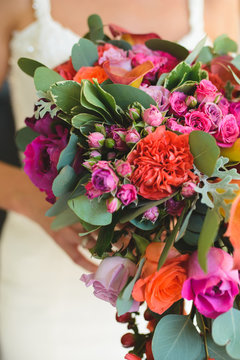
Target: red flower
66,70
90,72
162,162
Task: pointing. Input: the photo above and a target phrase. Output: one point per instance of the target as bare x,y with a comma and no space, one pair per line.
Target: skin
20,195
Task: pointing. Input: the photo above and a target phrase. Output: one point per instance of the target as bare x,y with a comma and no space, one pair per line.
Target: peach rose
90,72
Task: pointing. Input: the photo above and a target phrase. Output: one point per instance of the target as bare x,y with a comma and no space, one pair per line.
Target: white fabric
47,313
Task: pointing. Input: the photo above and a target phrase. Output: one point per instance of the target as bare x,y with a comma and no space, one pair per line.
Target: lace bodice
49,42
44,40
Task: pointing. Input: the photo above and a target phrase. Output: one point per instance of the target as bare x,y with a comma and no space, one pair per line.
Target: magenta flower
224,106
123,168
132,137
214,113
104,178
228,131
174,207
173,125
118,135
91,191
235,110
41,158
159,94
110,278
43,125
127,194
206,91
152,116
197,120
213,293
96,140
178,104
151,214
113,204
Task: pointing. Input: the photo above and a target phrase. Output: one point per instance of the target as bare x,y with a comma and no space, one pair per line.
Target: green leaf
66,95
205,151
144,224
92,211
66,218
215,351
161,79
125,300
24,137
59,206
193,54
176,338
207,236
44,78
230,337
141,243
95,27
83,119
234,75
88,227
80,187
186,221
122,44
65,181
29,65
172,48
236,62
68,154
84,53
187,87
125,95
223,45
176,76
205,55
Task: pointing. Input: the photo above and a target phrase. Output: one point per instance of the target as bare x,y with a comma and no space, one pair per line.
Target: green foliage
45,77
172,48
144,224
24,136
84,53
230,337
193,54
141,243
122,44
65,218
45,107
93,212
59,206
223,45
204,150
84,118
206,55
64,181
125,300
236,62
66,95
29,65
216,352
68,153
95,27
176,338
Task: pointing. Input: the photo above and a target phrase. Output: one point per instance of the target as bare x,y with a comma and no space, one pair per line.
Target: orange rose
162,162
163,288
90,72
66,70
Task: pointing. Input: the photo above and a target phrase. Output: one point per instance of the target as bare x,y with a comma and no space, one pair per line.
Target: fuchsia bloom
152,116
118,135
228,131
104,178
96,140
91,191
127,194
43,126
110,278
178,104
213,293
235,110
174,207
174,126
206,91
113,204
159,94
214,113
123,168
151,214
224,106
197,120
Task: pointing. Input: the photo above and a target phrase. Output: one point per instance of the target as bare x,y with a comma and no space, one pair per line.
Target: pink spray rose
235,110
206,91
113,204
118,135
197,120
110,278
132,137
224,106
214,113
116,57
152,116
159,94
228,131
174,126
151,214
91,191
213,293
188,189
103,177
178,104
127,194
123,168
96,140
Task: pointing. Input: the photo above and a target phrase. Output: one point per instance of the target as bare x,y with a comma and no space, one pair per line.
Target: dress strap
42,9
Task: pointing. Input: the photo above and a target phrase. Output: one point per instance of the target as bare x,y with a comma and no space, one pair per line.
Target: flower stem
204,337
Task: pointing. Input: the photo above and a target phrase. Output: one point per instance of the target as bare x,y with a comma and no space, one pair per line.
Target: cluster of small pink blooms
188,189
151,214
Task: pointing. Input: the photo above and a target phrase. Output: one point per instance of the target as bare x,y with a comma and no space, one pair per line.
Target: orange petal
133,77
130,37
233,230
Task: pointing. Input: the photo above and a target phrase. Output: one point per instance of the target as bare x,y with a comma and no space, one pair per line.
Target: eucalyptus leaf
66,95
65,181
195,52
29,65
215,351
122,44
205,56
45,77
59,206
172,48
176,338
223,45
95,27
66,218
24,137
68,153
84,53
144,224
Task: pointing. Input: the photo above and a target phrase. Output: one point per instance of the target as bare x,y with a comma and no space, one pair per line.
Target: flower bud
96,140
188,189
111,155
148,315
151,214
191,101
125,318
175,208
109,143
128,340
132,137
153,116
100,128
113,204
95,155
148,130
134,114
123,168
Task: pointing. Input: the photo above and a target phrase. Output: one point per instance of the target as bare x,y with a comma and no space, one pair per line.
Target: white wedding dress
46,312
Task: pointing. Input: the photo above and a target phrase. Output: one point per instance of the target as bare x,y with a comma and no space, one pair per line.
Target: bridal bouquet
139,139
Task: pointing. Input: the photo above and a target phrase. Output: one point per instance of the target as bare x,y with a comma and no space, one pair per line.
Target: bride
47,313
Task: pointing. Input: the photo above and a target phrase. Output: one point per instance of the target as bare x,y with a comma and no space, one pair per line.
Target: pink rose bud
113,204
228,131
151,214
134,114
191,101
111,155
100,128
178,104
95,155
127,194
188,189
149,129
89,164
123,168
109,143
152,116
96,140
132,137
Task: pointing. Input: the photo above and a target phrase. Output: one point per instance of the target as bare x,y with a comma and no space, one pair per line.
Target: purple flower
214,113
206,91
228,131
174,207
132,137
104,178
96,140
224,106
113,204
152,116
178,104
213,292
151,214
123,168
127,194
41,158
110,278
118,135
43,126
197,120
159,94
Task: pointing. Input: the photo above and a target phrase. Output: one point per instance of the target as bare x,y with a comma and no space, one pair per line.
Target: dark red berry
125,318
128,340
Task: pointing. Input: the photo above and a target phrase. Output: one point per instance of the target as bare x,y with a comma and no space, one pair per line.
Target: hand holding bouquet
137,131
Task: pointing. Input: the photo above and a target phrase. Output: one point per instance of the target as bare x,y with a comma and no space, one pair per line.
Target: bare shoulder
15,14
